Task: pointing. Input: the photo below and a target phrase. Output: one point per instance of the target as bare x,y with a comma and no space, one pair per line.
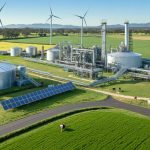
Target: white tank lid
4,67
124,54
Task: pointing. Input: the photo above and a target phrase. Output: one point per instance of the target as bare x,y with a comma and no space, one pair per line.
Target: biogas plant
83,62
91,63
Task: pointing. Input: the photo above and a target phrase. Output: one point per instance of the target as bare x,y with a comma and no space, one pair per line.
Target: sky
112,11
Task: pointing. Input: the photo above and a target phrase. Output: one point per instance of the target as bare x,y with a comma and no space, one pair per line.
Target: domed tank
31,51
7,75
125,59
52,54
16,51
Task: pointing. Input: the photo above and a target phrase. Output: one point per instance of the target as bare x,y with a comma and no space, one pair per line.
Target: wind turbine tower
82,25
51,23
0,12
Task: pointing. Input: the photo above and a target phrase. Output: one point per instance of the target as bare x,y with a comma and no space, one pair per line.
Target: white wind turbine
0,12
51,23
82,25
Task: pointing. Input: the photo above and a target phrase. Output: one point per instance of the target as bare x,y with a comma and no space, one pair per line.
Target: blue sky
37,11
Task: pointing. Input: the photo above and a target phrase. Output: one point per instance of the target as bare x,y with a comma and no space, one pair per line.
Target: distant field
9,45
140,46
95,130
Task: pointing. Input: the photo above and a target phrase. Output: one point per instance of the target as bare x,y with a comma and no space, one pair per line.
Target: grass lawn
78,95
129,87
95,130
140,46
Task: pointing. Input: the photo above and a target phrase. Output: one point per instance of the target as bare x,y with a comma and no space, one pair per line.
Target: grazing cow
114,89
62,127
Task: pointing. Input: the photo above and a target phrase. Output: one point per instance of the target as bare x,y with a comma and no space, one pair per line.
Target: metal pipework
104,51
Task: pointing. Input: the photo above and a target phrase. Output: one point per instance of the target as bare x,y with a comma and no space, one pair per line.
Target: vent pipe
127,35
104,51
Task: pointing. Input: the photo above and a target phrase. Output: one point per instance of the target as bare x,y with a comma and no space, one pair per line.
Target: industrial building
91,62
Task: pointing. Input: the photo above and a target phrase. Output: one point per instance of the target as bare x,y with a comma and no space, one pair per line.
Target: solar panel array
37,96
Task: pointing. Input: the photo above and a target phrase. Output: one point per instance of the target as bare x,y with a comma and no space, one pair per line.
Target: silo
7,75
52,54
31,51
16,51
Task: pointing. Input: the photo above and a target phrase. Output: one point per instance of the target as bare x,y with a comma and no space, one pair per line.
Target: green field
76,96
140,46
109,129
129,87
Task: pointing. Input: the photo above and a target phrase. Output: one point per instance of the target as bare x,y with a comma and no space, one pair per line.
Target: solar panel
36,96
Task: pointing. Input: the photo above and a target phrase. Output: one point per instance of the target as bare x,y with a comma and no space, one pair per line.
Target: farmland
141,44
100,129
9,45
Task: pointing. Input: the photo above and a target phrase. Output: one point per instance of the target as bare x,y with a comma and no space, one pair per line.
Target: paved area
110,102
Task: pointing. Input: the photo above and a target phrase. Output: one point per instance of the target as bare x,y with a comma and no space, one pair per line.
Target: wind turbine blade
1,23
51,11
49,18
79,16
2,7
85,22
85,13
56,17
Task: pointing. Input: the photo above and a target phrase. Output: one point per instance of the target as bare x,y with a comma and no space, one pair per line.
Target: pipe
127,35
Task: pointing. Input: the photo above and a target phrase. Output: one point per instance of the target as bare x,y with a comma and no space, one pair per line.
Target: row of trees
28,32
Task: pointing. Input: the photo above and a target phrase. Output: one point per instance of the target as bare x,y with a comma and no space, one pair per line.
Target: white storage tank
22,69
7,75
31,51
15,51
52,54
125,59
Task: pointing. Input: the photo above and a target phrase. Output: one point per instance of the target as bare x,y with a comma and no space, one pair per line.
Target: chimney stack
127,35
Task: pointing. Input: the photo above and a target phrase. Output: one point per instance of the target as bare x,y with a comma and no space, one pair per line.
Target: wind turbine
0,12
83,21
51,23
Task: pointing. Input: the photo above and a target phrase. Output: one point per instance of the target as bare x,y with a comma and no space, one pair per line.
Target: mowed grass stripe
101,129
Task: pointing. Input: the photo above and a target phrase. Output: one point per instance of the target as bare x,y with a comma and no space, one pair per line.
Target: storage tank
7,75
16,51
22,69
31,51
52,54
125,59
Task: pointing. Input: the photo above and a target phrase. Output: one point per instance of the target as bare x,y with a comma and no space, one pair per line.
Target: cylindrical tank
52,55
31,51
16,51
125,59
22,69
7,75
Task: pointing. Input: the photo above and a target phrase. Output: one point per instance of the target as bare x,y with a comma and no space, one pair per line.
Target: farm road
109,102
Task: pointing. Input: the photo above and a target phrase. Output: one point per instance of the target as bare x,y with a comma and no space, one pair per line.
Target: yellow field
8,45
